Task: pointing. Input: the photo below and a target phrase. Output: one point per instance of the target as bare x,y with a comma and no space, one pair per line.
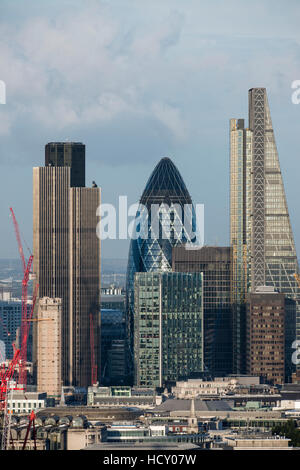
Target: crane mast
24,315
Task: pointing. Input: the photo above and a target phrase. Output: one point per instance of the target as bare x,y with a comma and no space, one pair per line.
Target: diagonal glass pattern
262,239
152,249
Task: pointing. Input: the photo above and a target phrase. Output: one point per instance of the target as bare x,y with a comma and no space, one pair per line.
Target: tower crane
6,376
24,316
31,422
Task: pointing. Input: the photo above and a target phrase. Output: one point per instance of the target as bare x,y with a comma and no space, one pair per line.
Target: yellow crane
297,277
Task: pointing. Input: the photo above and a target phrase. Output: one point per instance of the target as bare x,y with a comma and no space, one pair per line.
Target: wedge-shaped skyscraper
261,234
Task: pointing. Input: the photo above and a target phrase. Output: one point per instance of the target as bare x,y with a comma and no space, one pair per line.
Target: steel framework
257,98
25,314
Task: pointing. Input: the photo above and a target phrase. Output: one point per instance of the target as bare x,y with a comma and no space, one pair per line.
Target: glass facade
263,245
215,264
70,154
280,252
10,323
168,327
112,346
165,218
240,233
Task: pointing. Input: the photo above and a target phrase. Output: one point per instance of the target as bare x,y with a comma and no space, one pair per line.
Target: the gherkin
167,197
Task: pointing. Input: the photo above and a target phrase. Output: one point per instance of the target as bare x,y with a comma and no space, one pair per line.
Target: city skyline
134,120
149,274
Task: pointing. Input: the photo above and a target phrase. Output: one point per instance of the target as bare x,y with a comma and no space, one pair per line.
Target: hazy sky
136,80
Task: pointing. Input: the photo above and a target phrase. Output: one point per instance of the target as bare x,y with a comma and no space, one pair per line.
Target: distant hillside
108,266
10,263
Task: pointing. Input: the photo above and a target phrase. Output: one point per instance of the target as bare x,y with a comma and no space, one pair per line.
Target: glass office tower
215,265
165,218
168,328
240,234
260,222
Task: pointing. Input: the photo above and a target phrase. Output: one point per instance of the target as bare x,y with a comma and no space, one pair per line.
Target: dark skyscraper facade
68,154
67,257
266,317
168,328
167,197
215,264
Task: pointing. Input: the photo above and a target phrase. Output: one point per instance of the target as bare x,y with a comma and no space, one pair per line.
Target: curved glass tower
165,218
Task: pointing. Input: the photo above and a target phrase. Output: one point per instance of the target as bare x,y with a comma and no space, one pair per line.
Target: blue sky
136,80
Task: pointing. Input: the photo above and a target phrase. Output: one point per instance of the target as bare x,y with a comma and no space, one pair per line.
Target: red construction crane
92,346
31,422
24,315
24,339
5,376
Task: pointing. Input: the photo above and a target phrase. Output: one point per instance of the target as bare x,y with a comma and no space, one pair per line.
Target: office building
67,255
240,234
192,388
49,350
84,283
116,362
10,321
166,218
112,301
20,402
266,335
10,324
68,154
168,327
215,264
117,396
112,346
261,236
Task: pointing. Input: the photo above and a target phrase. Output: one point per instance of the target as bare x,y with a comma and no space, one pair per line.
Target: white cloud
5,122
77,70
87,67
171,117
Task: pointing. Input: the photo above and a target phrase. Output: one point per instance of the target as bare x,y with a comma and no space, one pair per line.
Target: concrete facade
265,352
49,374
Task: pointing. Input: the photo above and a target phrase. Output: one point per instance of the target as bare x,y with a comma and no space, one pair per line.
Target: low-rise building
134,432
77,439
122,396
20,402
257,443
197,387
